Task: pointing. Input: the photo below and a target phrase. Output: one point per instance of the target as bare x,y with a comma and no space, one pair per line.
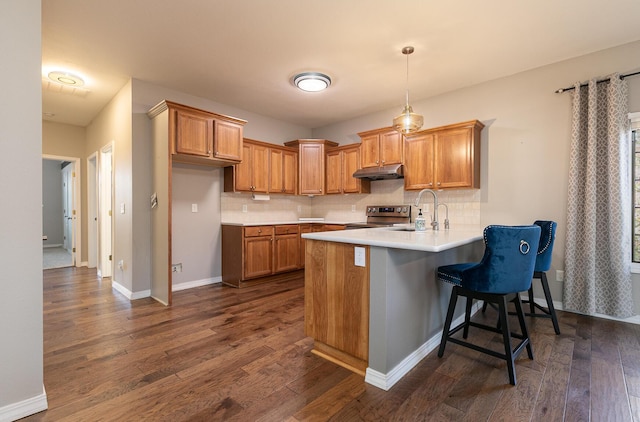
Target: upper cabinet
311,164
283,170
265,168
341,163
202,137
445,157
381,147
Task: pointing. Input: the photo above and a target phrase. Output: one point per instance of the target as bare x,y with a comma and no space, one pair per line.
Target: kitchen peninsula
373,303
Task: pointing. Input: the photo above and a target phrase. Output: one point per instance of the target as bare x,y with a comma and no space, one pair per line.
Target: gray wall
52,224
21,379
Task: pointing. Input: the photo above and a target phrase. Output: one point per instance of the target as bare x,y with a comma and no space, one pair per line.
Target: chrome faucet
446,218
434,221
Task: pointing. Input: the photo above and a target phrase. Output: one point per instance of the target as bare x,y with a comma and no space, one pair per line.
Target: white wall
21,368
525,144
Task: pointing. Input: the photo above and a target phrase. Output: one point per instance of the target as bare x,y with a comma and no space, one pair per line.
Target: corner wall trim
128,293
195,283
30,406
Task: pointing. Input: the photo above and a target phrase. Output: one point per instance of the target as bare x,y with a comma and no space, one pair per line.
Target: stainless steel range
384,216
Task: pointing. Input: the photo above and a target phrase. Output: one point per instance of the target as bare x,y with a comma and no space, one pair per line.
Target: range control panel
388,210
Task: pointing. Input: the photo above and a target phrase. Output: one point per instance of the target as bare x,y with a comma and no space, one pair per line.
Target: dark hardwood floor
241,355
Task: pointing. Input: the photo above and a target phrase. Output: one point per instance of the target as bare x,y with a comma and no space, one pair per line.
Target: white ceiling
244,52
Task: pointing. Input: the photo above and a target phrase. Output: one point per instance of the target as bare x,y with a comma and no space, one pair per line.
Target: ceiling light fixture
407,121
65,78
312,81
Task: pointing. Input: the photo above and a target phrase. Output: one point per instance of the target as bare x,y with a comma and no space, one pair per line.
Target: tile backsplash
464,205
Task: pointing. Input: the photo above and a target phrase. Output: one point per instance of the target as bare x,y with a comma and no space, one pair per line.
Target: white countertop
395,237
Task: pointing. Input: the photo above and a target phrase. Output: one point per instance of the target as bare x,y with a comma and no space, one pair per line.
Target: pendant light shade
407,121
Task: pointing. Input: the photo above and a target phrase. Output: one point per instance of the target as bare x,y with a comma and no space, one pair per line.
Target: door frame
76,242
105,267
92,210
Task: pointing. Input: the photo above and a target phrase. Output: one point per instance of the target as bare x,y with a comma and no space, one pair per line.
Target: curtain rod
561,90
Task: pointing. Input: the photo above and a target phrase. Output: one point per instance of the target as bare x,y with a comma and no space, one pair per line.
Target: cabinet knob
430,184
438,183
209,152
377,162
382,161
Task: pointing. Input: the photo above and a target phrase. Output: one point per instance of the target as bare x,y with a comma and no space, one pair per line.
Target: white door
105,214
68,211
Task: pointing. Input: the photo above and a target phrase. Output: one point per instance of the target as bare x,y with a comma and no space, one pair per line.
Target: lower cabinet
256,254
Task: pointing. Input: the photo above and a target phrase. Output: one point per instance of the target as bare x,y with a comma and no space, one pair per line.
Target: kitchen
527,126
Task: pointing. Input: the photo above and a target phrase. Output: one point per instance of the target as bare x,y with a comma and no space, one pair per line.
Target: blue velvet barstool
543,264
506,269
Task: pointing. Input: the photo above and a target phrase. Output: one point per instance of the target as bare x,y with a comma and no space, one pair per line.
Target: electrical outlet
176,268
360,260
244,208
121,264
559,275
353,208
194,207
299,208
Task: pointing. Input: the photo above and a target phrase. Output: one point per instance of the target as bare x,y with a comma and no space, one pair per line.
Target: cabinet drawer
258,231
288,229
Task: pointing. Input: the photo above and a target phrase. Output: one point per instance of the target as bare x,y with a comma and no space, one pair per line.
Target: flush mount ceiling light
65,78
407,121
312,81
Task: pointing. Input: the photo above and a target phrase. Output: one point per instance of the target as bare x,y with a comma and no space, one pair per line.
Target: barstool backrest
508,262
547,237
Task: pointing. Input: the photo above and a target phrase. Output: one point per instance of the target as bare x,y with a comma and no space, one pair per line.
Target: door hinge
73,174
109,257
74,250
74,212
109,213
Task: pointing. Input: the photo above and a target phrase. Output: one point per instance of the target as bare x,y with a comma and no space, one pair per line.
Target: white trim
83,264
128,293
24,408
57,245
195,283
558,305
388,380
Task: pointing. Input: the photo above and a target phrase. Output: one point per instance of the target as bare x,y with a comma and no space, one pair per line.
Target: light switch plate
122,208
194,207
359,254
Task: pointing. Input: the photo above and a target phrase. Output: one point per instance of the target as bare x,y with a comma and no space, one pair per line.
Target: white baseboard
30,406
196,283
54,245
174,288
559,306
83,264
388,380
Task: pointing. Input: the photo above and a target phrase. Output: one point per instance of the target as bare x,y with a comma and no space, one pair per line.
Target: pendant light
407,121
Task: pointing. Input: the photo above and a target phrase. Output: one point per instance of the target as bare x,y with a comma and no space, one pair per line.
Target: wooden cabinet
311,164
446,157
257,254
327,227
380,147
251,175
286,248
283,170
341,163
336,303
265,168
258,251
201,137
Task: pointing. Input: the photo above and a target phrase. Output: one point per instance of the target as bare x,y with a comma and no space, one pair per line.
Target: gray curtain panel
598,248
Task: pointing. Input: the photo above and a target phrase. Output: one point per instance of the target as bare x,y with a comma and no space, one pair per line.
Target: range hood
391,171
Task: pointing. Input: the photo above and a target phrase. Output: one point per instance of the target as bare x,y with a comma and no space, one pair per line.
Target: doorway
104,214
61,208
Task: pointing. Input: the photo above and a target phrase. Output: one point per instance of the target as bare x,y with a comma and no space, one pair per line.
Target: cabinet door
286,255
311,169
370,149
289,172
454,158
227,141
260,168
194,133
350,163
243,170
276,163
390,148
258,252
418,161
334,172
